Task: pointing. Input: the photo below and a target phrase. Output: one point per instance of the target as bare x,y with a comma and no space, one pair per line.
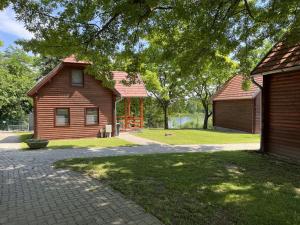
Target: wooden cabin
69,103
280,69
237,109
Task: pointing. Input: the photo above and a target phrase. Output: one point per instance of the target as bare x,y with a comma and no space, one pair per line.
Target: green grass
222,188
181,137
79,143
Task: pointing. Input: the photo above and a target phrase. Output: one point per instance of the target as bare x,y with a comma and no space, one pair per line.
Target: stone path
137,140
9,140
32,192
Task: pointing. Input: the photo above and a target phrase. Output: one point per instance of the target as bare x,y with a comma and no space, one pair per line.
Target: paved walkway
32,192
137,140
9,140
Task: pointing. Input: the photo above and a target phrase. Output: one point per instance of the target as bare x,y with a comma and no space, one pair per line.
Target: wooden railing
130,122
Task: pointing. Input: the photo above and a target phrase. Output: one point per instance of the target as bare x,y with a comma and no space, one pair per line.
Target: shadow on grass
203,188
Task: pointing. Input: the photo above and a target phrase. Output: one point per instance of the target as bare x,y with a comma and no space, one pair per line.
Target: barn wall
59,93
234,114
282,114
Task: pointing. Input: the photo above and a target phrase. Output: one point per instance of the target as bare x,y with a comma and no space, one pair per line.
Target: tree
46,64
98,30
17,76
162,82
207,79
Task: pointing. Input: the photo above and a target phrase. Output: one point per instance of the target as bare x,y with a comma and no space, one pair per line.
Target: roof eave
294,68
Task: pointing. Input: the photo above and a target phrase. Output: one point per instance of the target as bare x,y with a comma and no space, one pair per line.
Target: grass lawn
182,137
79,143
203,188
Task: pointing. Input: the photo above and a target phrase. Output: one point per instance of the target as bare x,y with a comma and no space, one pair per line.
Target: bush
37,143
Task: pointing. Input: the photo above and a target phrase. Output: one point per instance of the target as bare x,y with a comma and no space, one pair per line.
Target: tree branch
162,8
248,9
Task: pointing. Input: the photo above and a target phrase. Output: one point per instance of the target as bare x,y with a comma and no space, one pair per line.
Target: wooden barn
68,103
281,100
237,109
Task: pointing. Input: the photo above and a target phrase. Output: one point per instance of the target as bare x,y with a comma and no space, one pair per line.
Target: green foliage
101,30
46,64
17,76
207,78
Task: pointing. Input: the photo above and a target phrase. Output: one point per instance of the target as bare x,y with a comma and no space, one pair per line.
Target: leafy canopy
18,72
100,30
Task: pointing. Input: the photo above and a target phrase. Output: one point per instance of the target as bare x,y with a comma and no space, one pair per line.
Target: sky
11,29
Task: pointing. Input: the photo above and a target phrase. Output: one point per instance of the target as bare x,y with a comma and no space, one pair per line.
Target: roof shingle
232,89
281,56
134,90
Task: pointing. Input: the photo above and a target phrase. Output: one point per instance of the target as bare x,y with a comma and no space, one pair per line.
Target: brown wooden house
237,109
281,100
68,103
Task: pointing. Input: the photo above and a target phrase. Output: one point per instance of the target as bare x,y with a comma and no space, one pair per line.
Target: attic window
77,78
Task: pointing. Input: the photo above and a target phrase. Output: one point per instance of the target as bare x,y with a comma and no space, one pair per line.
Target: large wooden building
237,109
68,103
281,100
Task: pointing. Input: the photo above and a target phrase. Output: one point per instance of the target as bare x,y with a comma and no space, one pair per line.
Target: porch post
125,113
128,112
141,112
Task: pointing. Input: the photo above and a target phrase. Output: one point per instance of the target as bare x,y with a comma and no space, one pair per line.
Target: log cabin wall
257,113
234,114
282,114
59,93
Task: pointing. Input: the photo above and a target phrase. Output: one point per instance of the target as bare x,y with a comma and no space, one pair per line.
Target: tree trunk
206,117
207,114
166,124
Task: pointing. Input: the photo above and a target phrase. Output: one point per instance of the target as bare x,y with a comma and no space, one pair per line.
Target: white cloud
9,25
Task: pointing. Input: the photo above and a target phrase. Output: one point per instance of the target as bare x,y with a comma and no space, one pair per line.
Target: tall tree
207,79
162,82
17,76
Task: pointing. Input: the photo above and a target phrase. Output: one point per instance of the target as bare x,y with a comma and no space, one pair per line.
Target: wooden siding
257,113
59,93
282,114
234,114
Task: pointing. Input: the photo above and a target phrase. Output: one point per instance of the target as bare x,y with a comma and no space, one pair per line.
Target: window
91,116
62,117
77,78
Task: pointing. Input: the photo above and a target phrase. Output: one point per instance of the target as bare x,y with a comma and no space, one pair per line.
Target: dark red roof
72,59
134,90
232,89
280,57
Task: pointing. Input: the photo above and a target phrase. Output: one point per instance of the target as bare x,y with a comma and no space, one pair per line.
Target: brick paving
32,192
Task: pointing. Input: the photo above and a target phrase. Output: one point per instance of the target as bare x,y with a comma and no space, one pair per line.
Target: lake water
185,122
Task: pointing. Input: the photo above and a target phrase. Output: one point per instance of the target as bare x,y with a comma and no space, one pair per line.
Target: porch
131,120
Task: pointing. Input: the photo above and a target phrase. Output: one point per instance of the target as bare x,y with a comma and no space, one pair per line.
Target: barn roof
232,89
280,58
134,90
